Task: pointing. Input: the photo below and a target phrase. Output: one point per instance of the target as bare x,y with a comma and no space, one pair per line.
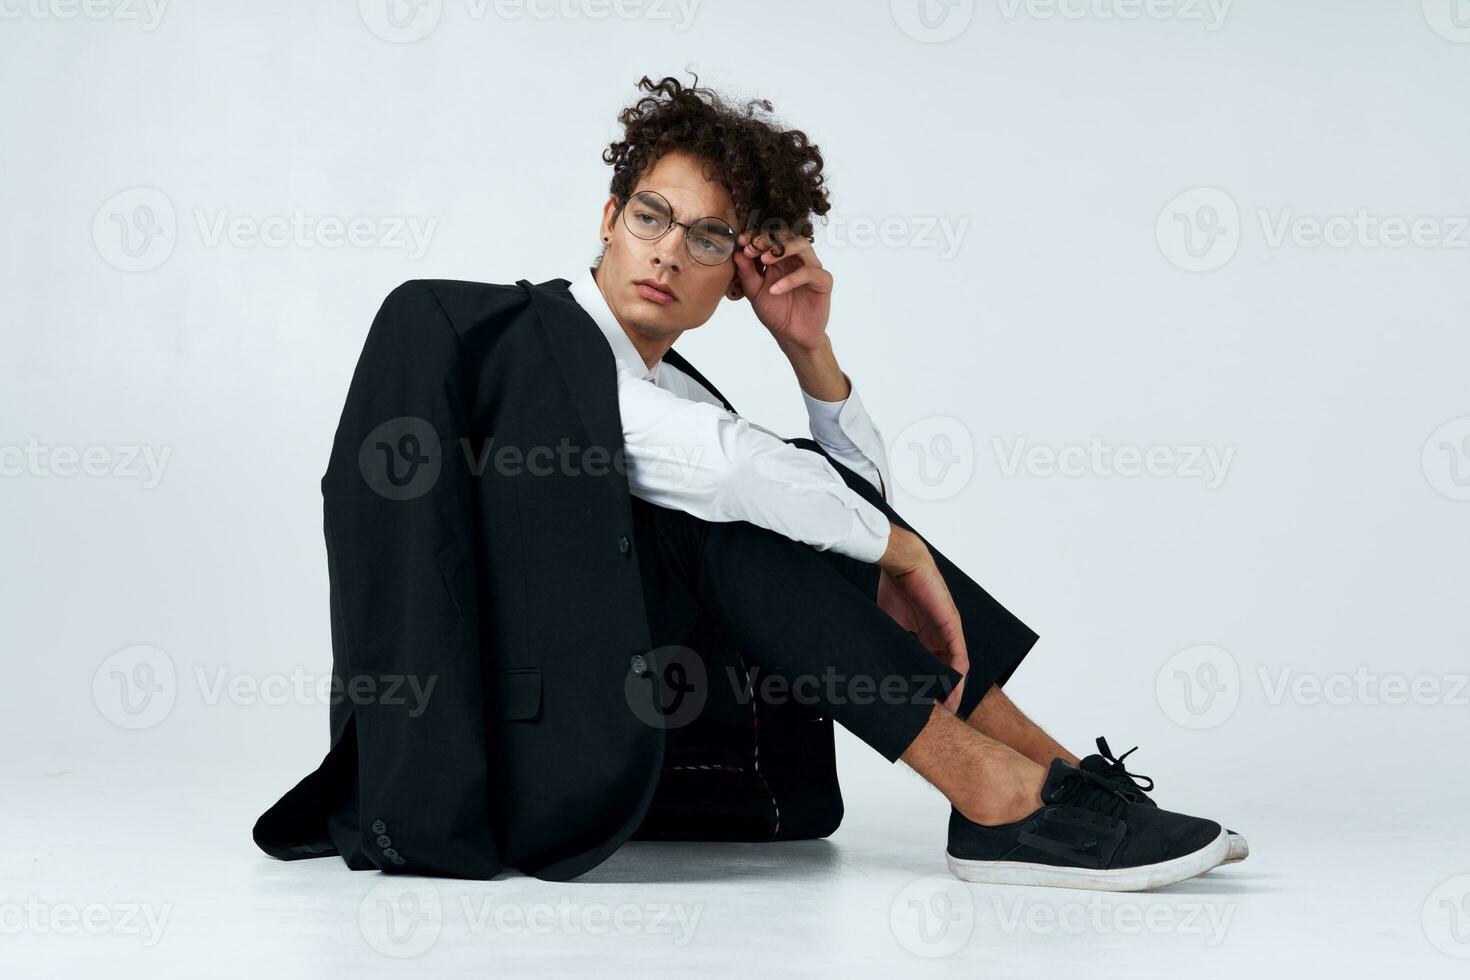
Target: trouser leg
809,618
997,641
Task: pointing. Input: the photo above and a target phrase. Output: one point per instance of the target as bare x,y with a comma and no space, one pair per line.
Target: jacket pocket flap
517,695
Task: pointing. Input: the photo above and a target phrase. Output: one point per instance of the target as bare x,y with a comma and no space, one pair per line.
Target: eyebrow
658,206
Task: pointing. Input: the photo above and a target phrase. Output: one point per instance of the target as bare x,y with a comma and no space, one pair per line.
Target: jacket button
640,666
623,545
379,827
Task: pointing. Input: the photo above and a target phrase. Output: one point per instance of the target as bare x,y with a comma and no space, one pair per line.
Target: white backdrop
1160,305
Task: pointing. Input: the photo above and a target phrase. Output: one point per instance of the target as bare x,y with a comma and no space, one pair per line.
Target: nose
669,250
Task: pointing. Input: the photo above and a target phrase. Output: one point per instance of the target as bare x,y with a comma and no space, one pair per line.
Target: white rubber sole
1137,879
1239,850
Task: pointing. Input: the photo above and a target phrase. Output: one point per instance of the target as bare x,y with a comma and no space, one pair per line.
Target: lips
655,291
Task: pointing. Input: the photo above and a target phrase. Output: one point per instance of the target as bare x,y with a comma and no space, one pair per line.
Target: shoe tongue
1056,780
1094,763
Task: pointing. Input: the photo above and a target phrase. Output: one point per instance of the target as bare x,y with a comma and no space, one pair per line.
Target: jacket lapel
585,360
677,360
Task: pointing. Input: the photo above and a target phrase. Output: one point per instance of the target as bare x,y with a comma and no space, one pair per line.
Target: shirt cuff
869,539
827,417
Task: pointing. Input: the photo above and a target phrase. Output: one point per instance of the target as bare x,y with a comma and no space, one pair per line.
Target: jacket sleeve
399,512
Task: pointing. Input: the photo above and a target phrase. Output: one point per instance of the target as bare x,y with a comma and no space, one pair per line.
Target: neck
651,349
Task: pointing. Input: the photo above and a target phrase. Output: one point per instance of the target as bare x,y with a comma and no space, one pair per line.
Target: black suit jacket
488,627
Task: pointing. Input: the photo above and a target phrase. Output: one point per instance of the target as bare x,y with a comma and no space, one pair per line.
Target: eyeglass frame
686,226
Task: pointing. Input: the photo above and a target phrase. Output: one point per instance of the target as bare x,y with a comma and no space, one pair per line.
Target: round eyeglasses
649,216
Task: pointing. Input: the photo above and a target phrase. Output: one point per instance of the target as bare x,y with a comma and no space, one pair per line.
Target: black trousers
810,621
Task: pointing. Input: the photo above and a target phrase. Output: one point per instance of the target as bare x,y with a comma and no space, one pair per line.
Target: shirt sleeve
702,459
844,429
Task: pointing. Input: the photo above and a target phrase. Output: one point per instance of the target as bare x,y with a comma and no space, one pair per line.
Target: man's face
696,288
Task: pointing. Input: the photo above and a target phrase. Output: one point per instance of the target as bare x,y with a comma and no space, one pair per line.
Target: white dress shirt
686,451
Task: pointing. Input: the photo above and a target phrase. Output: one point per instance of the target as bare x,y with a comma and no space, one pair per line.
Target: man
483,580
685,176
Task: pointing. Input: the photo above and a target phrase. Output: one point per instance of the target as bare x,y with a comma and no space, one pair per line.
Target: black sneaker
1086,835
1130,784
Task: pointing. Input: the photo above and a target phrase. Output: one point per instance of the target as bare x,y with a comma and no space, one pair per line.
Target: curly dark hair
774,175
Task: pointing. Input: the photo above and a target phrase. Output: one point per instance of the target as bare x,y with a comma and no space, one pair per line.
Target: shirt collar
588,296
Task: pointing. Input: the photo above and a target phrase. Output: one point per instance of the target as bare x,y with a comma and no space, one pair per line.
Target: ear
609,220
735,291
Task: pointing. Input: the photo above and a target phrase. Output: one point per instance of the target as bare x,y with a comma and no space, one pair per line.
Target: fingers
750,277
771,247
820,280
955,697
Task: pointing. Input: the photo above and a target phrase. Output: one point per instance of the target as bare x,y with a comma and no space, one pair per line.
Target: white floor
143,867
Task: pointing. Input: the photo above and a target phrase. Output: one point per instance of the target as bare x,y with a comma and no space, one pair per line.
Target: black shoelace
1088,791
1117,770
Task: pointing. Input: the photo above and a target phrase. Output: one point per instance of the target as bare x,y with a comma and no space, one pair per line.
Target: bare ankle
1011,797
